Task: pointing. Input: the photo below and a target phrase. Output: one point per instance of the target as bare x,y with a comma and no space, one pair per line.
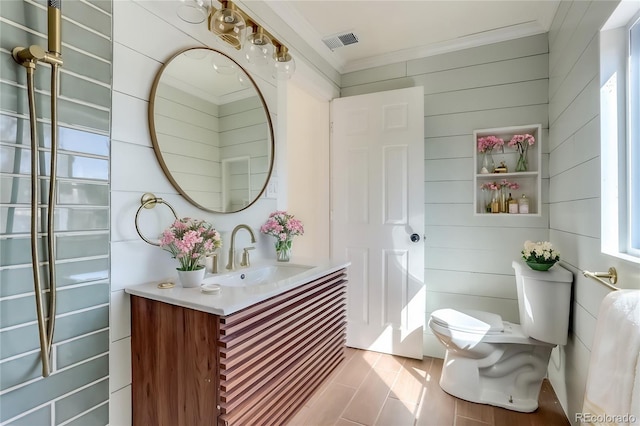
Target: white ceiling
393,31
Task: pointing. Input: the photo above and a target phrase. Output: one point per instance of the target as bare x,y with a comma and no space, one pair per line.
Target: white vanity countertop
233,299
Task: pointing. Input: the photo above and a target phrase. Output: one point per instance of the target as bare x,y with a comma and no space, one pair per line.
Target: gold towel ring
149,201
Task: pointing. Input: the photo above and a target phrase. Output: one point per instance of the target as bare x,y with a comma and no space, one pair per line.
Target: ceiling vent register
340,40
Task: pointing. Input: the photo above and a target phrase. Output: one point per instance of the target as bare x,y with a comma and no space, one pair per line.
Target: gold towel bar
149,201
612,275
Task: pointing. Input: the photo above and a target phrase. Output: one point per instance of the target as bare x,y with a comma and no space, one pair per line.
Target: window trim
620,140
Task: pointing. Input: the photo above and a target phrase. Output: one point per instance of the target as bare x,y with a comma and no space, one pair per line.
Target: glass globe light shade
258,50
192,11
285,66
229,25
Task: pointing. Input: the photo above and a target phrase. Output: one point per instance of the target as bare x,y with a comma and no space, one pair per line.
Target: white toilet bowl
491,361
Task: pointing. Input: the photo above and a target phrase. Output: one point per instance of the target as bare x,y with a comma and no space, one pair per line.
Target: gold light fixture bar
250,23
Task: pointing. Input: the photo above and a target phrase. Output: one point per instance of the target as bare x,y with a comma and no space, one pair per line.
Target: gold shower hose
29,57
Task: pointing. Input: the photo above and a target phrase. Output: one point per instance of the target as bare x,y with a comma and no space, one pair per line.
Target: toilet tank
544,302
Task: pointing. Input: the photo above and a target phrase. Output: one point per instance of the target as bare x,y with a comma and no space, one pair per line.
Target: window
620,132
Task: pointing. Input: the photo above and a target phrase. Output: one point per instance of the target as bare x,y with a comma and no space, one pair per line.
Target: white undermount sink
257,275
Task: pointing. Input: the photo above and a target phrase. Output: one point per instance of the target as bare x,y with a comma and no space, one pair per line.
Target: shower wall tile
41,416
16,341
89,15
75,61
83,90
75,246
20,370
83,193
72,405
83,348
80,390
14,99
16,281
37,393
97,416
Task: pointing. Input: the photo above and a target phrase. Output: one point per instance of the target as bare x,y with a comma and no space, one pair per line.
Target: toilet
492,361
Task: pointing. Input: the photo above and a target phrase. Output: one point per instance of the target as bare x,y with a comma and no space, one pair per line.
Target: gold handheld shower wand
29,57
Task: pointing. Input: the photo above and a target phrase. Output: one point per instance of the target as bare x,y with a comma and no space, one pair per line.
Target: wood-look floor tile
397,413
549,412
389,362
334,374
370,397
395,398
327,409
437,407
465,421
345,422
480,412
411,381
357,368
299,418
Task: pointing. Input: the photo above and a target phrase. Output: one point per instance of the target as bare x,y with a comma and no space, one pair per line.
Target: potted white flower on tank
540,256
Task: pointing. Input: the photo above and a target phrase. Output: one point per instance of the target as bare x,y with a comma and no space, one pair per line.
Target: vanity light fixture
233,26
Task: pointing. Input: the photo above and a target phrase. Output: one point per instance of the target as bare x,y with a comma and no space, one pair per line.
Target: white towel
612,395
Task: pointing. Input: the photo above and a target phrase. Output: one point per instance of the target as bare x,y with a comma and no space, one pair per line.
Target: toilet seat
470,327
468,321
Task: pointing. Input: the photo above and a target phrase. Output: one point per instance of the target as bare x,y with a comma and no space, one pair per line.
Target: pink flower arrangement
495,186
521,142
284,227
487,143
189,240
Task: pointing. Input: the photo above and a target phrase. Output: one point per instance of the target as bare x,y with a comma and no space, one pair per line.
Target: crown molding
487,37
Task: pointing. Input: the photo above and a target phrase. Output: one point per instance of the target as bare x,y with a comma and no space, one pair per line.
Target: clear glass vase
283,251
488,165
522,165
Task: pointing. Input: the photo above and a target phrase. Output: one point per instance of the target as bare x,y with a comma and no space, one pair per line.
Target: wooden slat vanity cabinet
256,366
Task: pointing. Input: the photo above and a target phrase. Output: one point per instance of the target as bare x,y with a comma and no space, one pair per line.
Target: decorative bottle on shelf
523,204
495,205
512,204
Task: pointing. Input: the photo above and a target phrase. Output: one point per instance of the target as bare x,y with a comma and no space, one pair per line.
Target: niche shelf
529,181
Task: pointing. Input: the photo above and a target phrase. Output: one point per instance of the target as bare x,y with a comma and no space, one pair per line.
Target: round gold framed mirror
211,130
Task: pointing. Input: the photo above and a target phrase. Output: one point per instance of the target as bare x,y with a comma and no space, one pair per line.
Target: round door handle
415,238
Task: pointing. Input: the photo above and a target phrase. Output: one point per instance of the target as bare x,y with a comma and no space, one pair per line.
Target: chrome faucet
232,255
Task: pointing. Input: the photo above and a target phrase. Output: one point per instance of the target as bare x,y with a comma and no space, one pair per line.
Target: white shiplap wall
550,79
574,195
138,55
468,258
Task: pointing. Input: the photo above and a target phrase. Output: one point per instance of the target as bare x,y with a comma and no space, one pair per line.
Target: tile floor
370,388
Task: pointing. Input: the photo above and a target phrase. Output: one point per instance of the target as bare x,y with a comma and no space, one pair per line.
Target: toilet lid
469,321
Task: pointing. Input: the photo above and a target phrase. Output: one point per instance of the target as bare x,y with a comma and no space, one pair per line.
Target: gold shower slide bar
612,275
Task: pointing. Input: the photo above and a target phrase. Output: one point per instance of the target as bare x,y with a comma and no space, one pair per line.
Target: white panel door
378,217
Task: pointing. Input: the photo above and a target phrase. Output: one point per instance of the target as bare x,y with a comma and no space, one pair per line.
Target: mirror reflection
211,130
